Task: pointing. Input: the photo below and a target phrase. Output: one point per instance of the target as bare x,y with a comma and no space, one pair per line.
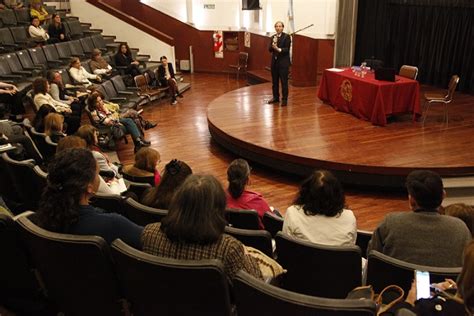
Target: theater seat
142,214
258,239
245,219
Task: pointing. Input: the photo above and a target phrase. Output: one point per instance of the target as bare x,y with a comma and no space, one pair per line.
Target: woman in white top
318,214
80,75
42,96
36,31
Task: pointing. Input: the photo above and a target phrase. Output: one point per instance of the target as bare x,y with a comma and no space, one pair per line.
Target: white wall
125,32
228,15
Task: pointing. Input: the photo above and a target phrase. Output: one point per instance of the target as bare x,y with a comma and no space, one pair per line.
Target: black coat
282,58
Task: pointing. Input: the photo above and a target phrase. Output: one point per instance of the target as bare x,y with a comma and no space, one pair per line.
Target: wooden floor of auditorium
183,133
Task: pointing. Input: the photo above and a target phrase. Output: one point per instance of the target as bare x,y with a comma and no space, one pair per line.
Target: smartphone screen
422,284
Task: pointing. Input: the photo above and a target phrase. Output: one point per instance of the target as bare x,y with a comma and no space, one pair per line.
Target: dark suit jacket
162,74
281,58
122,60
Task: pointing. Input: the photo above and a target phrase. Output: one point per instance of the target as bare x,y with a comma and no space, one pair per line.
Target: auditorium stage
309,134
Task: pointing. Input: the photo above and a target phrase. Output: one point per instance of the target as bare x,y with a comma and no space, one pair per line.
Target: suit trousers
280,73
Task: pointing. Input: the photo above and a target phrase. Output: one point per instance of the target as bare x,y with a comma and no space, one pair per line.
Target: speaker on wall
250,4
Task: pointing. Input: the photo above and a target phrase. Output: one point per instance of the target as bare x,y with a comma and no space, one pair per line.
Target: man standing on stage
280,49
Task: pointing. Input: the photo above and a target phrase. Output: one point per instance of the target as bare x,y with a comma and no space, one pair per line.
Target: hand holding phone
422,284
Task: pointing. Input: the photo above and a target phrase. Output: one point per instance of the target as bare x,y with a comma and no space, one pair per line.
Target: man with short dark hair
422,236
280,50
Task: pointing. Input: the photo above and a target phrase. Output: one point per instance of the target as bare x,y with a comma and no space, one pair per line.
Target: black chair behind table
26,181
111,203
273,223
20,291
77,271
325,271
254,297
172,287
142,214
363,238
259,239
245,219
383,270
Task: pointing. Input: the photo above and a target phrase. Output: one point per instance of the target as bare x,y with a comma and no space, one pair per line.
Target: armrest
22,72
118,99
11,76
126,92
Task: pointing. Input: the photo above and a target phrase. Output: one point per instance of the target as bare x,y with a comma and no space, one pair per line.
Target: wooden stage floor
309,134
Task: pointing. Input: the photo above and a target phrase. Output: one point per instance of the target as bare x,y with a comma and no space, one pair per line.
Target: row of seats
87,277
22,16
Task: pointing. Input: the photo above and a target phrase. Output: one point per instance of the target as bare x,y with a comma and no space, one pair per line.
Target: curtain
436,36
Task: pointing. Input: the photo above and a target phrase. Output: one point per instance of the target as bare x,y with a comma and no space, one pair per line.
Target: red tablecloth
370,99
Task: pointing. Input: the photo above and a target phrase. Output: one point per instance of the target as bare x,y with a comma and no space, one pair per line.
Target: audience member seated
167,79
123,58
70,142
37,33
319,214
53,126
194,229
145,166
101,115
174,175
37,9
422,236
12,133
59,93
41,91
448,298
462,211
73,178
238,176
56,30
11,98
13,4
80,75
38,120
98,64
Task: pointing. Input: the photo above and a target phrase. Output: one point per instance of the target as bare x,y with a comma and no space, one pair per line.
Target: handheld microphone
275,39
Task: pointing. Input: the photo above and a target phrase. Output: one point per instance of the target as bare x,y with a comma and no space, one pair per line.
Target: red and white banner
218,44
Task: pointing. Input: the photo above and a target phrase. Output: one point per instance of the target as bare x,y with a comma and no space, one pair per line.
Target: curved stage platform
309,134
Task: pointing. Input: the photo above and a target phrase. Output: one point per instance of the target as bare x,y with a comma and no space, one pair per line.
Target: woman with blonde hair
53,126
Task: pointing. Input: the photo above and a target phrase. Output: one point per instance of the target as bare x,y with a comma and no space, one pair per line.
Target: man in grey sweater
422,236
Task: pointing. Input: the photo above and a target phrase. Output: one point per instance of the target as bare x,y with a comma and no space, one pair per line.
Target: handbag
117,131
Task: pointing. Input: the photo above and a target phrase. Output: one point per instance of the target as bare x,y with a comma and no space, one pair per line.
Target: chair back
243,60
254,297
111,203
20,290
6,37
141,214
141,83
63,49
25,180
87,44
38,57
150,179
313,269
383,270
273,223
453,83
40,141
109,87
363,238
258,239
20,36
51,53
119,84
77,271
76,48
245,219
23,16
138,188
407,71
8,18
163,286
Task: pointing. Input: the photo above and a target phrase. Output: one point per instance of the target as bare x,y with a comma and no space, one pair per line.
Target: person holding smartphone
446,298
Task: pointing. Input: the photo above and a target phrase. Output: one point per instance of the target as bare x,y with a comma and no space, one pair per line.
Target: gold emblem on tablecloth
346,90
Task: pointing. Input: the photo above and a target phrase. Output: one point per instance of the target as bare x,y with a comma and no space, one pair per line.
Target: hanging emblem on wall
218,44
346,90
247,39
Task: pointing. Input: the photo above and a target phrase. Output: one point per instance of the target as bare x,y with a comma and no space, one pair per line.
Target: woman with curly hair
73,178
123,58
318,214
176,171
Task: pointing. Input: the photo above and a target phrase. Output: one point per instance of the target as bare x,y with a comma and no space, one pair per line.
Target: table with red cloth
367,98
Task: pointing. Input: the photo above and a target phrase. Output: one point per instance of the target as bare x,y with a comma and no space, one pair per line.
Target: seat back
6,38
273,223
77,271
25,180
20,290
312,268
258,239
26,60
98,41
13,62
383,270
254,297
109,202
86,66
23,16
109,87
51,53
245,219
141,83
118,82
407,71
8,17
76,48
65,76
75,28
150,180
63,50
20,35
174,287
38,57
142,214
363,238
87,44
4,66
453,83
137,187
40,141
